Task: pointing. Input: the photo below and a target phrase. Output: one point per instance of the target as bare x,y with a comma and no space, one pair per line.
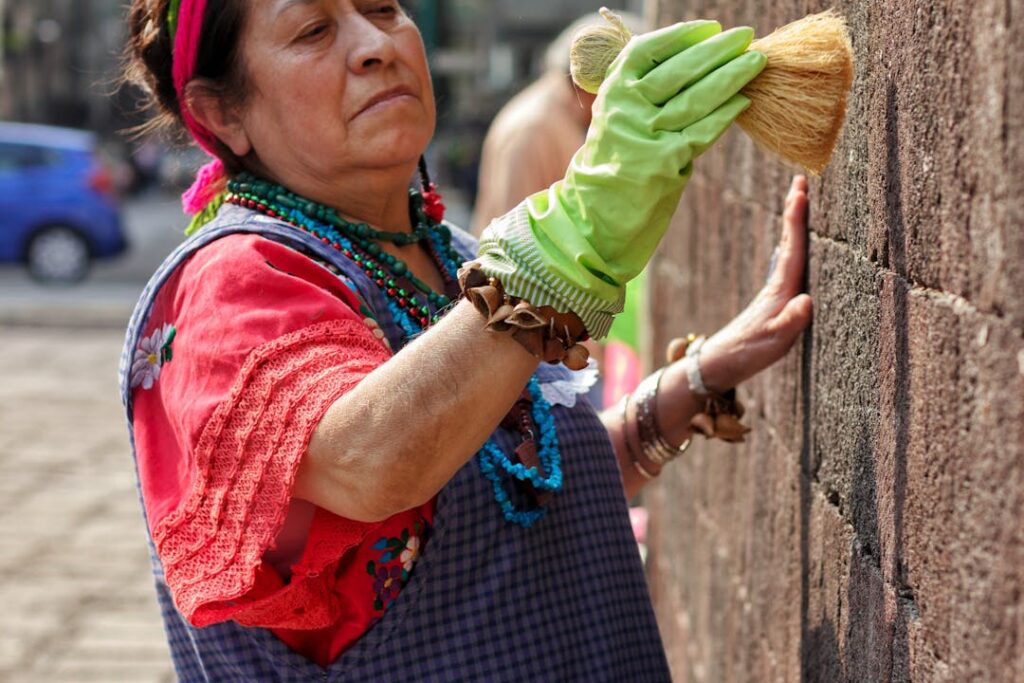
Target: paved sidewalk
76,599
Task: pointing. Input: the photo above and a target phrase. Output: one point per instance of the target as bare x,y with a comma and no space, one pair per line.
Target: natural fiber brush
798,103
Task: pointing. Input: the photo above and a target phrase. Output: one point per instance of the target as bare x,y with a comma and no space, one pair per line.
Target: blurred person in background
527,148
531,140
355,429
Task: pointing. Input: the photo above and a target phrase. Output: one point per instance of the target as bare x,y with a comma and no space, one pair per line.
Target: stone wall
873,527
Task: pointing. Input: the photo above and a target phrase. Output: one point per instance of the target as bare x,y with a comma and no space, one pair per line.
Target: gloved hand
666,99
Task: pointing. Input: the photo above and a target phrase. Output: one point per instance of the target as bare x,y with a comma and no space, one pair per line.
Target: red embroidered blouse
247,346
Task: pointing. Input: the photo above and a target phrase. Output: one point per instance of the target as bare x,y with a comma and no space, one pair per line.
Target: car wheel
58,254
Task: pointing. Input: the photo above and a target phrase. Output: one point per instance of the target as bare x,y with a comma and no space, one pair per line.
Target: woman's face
336,86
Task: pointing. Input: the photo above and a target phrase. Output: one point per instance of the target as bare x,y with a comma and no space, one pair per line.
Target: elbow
402,486
369,493
368,478
400,492
384,502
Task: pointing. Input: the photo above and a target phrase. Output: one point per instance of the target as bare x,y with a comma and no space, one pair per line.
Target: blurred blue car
58,210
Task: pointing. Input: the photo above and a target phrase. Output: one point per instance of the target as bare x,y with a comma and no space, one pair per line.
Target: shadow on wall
877,648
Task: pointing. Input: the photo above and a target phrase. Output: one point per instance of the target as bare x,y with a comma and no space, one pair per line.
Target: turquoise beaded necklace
407,296
408,299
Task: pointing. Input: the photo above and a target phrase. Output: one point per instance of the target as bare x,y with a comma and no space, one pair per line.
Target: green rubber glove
666,99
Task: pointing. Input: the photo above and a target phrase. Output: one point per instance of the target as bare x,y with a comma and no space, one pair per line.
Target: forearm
676,406
395,440
632,481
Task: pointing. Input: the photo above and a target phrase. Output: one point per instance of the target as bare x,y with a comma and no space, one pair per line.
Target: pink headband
186,52
187,27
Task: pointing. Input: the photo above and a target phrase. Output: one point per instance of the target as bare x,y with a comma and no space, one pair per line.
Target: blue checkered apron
487,601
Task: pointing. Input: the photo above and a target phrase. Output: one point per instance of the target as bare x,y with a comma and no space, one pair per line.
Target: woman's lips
385,99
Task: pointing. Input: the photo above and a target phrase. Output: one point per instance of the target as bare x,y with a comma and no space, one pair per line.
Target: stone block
843,405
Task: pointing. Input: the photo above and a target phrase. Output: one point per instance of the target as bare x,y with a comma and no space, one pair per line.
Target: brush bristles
798,103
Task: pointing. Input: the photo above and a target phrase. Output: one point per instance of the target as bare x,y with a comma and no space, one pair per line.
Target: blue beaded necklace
407,308
493,462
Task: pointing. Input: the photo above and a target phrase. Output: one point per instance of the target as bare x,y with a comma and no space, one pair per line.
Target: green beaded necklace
248,184
359,242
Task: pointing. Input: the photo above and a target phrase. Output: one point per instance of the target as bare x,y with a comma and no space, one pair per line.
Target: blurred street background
75,584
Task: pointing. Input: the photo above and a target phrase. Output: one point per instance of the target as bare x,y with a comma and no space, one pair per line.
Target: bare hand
768,327
755,339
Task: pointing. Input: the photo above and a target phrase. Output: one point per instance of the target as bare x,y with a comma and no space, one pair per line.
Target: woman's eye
387,10
314,32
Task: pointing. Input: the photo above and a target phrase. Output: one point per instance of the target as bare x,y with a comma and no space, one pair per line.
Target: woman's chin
400,129
391,149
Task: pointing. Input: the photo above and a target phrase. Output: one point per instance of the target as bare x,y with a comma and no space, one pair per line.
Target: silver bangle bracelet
641,470
691,363
652,443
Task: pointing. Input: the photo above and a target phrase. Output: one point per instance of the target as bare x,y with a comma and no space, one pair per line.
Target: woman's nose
370,47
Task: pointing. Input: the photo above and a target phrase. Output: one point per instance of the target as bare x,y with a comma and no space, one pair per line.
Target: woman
348,473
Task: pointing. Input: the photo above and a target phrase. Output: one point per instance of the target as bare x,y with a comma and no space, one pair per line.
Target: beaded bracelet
637,465
654,446
547,334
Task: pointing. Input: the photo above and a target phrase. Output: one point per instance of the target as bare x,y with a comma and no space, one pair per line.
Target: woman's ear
208,106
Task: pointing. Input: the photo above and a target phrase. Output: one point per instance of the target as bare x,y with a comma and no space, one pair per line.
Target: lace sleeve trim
247,456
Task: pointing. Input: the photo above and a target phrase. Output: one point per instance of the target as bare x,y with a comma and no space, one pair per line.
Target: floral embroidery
151,355
387,586
391,572
411,553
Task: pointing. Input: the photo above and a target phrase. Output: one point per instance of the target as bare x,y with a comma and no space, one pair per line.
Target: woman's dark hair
148,61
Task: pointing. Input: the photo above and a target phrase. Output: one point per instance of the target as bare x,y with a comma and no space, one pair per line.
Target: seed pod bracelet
547,334
723,411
